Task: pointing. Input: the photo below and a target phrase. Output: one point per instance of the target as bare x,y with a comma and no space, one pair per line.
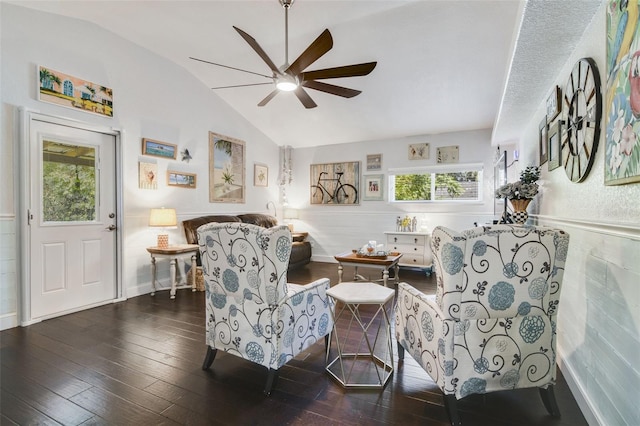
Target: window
459,182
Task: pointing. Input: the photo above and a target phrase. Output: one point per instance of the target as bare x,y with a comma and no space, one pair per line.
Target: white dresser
415,248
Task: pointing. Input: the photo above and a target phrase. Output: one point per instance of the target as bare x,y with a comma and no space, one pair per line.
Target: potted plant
521,193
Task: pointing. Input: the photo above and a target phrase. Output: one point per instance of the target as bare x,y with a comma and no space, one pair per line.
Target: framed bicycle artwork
335,183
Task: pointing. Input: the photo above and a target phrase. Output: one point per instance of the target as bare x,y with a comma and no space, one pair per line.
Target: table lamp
290,213
163,218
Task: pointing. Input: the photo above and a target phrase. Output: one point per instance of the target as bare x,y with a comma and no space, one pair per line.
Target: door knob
111,228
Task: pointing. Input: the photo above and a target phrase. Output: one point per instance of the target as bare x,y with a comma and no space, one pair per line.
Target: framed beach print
147,175
373,188
335,183
374,162
260,175
226,169
73,92
542,142
553,148
159,149
622,95
181,179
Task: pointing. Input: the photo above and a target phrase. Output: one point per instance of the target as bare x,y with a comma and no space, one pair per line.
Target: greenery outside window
451,182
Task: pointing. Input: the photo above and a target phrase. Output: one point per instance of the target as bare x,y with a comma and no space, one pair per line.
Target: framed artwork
622,95
542,141
183,180
554,104
260,175
374,162
147,175
448,154
226,169
159,149
72,92
419,151
554,145
335,183
373,188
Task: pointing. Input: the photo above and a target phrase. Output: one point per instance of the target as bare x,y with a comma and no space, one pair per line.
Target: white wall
335,229
153,98
599,316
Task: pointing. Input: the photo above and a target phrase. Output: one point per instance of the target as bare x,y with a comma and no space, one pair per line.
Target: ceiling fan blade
319,47
304,98
227,66
355,70
268,98
240,85
254,44
332,89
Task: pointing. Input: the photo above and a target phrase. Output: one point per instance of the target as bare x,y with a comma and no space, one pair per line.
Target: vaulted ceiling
443,66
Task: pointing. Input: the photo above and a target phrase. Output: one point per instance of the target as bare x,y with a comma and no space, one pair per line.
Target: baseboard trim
8,321
577,390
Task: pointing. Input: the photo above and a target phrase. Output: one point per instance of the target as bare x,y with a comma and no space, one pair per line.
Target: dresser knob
415,241
395,239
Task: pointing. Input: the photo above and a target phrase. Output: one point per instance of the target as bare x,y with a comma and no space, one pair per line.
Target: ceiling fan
293,77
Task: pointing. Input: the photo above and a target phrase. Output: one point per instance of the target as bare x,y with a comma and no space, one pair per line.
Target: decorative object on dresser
491,326
163,218
622,96
414,247
521,193
251,310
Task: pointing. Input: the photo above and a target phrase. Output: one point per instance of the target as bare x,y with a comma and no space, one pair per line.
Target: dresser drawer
406,239
412,259
406,249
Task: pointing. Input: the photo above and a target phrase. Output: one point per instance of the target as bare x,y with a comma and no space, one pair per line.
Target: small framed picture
260,175
554,145
159,149
542,141
181,179
147,175
448,154
419,151
374,162
554,104
373,188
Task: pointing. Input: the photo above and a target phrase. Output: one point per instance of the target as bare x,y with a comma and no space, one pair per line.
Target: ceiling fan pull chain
286,34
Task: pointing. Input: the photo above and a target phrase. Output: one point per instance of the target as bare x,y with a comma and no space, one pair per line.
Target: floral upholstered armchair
492,324
252,312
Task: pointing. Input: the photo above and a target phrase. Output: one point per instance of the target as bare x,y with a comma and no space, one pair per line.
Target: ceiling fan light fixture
287,83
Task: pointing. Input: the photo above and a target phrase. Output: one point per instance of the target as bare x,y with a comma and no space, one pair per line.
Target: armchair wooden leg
451,405
326,341
549,400
209,357
400,351
271,378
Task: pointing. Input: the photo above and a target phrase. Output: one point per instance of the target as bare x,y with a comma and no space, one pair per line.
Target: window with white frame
441,183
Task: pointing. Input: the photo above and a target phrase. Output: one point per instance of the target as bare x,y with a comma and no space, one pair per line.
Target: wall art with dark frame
554,137
543,142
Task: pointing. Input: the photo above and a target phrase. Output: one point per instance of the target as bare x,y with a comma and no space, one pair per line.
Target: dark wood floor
139,362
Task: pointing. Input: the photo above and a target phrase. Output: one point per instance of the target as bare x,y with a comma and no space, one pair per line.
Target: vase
520,214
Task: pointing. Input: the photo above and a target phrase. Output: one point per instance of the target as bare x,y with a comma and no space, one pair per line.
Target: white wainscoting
8,273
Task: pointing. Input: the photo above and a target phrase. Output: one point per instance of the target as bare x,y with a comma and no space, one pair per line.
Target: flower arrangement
525,189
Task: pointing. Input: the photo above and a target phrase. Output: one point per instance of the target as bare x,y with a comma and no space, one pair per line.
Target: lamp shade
290,213
163,217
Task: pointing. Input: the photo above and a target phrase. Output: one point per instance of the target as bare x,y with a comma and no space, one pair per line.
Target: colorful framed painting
622,96
260,175
542,142
159,149
226,169
72,92
553,148
374,162
335,183
373,188
419,151
181,179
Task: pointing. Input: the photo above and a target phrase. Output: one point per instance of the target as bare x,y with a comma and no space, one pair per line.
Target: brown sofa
300,250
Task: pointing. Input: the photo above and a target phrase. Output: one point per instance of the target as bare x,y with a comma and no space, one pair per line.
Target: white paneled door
71,218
